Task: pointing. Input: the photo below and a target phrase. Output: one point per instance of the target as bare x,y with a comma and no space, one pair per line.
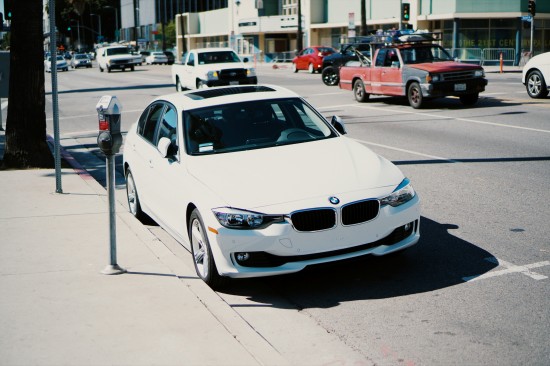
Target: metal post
53,72
113,268
532,34
1,128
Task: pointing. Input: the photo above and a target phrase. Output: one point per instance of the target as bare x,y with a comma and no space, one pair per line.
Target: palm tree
26,145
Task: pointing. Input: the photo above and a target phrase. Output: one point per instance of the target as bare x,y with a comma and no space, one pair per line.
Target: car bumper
457,88
280,249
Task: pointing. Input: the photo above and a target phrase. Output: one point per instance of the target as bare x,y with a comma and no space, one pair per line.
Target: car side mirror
245,59
166,148
338,123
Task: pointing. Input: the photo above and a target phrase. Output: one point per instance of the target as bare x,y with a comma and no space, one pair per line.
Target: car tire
469,99
330,76
294,68
100,68
132,68
201,252
311,69
134,205
414,95
359,91
108,69
535,85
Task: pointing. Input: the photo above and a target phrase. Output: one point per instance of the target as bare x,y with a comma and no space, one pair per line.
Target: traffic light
1,22
8,6
532,7
405,12
69,28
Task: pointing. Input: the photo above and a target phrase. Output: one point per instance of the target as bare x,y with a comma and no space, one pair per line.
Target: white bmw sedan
256,182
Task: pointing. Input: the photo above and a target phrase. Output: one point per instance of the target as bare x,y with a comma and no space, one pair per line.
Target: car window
381,57
252,125
191,61
149,121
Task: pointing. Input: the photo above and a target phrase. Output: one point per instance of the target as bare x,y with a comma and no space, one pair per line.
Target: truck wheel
469,99
330,76
100,69
132,68
414,93
294,68
108,69
359,91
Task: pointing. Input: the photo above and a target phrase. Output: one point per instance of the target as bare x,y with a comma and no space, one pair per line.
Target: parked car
536,75
246,177
60,63
171,57
81,60
333,62
311,58
158,58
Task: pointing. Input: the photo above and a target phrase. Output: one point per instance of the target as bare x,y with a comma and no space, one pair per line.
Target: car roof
194,99
213,49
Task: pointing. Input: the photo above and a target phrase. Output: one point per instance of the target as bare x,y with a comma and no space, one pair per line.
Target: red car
311,58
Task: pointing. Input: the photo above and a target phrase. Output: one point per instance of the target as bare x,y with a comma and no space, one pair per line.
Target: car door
143,149
386,74
170,178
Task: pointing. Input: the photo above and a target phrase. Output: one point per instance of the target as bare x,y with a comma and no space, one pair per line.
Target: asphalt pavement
58,308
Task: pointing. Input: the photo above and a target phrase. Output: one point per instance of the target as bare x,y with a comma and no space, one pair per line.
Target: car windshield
218,57
419,55
81,57
58,58
252,125
117,51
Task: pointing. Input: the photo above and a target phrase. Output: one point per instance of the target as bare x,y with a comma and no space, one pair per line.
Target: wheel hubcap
131,191
534,85
200,252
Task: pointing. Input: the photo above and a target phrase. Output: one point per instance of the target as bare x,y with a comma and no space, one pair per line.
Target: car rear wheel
414,94
359,91
131,193
469,99
201,252
330,76
536,86
294,68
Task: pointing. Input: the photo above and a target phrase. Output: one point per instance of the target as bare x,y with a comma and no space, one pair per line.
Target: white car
536,75
60,63
256,182
156,58
81,60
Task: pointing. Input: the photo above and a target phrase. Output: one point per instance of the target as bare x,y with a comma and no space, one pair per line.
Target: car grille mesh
358,212
459,75
232,74
314,220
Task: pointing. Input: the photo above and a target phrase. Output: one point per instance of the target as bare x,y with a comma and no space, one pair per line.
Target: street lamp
116,20
99,17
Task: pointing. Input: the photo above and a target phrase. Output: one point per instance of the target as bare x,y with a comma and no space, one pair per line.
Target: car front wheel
414,94
330,76
536,86
359,91
201,252
294,67
469,99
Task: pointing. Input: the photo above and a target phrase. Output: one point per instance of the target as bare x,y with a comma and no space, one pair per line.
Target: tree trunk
26,145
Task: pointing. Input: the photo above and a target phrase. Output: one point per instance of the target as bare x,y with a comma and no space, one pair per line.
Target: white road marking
510,268
408,151
468,120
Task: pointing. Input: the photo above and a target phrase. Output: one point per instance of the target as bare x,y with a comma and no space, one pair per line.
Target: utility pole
299,36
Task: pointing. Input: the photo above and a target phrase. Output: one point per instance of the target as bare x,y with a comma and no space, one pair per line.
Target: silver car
61,64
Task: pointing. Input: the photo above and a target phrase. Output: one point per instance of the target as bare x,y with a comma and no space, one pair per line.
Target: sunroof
219,92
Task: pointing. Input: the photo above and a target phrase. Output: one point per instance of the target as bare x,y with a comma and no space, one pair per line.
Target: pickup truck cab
209,67
417,70
116,57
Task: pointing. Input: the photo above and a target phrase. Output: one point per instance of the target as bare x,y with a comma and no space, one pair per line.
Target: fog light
242,257
407,227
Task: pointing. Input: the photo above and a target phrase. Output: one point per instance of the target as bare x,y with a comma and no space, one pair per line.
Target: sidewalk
57,308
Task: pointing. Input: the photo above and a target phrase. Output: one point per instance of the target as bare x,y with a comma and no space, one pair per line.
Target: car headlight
212,75
479,73
402,194
234,218
432,78
250,72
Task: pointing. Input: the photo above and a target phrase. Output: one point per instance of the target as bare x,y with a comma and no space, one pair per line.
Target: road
475,290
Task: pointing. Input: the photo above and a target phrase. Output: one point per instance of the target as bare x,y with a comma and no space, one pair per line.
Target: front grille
358,212
314,220
458,75
232,74
119,62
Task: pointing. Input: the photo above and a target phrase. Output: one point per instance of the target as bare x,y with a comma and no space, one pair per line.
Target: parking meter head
108,111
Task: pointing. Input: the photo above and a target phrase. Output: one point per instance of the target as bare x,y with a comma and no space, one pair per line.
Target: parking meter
108,113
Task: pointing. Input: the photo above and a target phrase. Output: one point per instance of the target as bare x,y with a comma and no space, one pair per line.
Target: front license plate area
233,83
460,87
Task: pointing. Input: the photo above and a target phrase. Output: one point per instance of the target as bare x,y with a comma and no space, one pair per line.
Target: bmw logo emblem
334,200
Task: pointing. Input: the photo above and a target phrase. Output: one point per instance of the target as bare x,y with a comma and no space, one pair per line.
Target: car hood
445,66
298,172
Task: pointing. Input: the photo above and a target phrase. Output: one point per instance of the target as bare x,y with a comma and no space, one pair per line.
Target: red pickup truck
417,70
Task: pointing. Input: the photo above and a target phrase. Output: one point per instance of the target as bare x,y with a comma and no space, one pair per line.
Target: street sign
526,18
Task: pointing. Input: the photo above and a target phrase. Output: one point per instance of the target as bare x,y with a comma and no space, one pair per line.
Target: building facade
267,29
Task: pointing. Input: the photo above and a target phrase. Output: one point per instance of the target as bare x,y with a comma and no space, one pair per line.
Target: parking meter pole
113,267
109,141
